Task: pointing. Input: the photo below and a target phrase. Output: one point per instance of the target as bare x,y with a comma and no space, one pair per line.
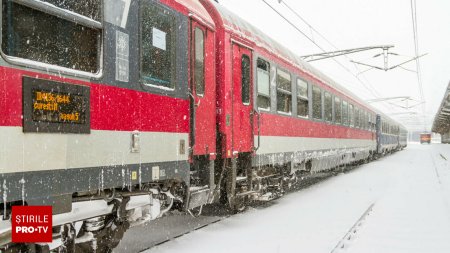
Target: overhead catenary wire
416,52
368,87
326,40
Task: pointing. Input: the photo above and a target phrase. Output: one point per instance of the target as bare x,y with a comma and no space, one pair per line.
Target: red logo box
31,224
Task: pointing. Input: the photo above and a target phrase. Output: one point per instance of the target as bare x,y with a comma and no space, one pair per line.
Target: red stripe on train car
280,125
112,108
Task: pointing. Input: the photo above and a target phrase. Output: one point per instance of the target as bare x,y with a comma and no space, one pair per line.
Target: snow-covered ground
409,196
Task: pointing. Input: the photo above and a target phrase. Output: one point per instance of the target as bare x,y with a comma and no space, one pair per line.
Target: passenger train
114,112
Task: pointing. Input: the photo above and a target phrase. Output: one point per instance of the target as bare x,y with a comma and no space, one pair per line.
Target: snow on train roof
242,28
196,9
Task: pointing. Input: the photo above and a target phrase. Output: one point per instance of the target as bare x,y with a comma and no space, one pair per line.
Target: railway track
176,224
346,241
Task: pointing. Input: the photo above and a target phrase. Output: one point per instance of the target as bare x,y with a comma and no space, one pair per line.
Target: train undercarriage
99,219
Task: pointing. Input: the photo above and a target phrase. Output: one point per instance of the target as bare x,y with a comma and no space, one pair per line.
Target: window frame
338,105
325,93
173,55
303,98
257,85
283,91
367,120
249,82
194,48
69,16
314,86
347,120
351,113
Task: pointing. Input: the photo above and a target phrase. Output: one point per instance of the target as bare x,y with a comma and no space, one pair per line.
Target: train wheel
106,239
240,204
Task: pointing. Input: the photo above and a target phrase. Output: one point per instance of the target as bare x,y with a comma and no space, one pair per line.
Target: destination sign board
51,106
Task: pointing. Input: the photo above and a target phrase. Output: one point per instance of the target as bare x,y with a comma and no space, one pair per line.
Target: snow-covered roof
197,10
441,123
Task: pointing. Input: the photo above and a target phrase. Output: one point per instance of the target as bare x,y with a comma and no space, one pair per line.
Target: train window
367,120
263,82
351,116
245,72
328,107
356,117
337,110
374,122
360,118
62,33
157,46
199,61
345,113
317,102
284,91
302,98
363,119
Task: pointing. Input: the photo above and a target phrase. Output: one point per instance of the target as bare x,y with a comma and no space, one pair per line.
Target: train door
203,115
203,120
242,126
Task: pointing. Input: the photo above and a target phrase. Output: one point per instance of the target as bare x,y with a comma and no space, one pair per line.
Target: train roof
198,11
238,26
441,123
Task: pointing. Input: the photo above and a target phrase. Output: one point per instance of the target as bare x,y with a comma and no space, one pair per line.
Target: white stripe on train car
279,144
49,151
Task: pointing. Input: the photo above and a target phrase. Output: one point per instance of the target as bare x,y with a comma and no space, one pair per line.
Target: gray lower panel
50,183
298,157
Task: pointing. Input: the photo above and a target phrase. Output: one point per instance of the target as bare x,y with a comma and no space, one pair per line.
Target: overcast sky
361,23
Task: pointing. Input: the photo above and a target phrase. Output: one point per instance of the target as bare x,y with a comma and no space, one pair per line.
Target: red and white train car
100,112
279,113
114,112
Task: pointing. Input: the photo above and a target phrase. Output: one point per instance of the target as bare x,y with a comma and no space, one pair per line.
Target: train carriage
114,112
278,113
102,101
391,135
